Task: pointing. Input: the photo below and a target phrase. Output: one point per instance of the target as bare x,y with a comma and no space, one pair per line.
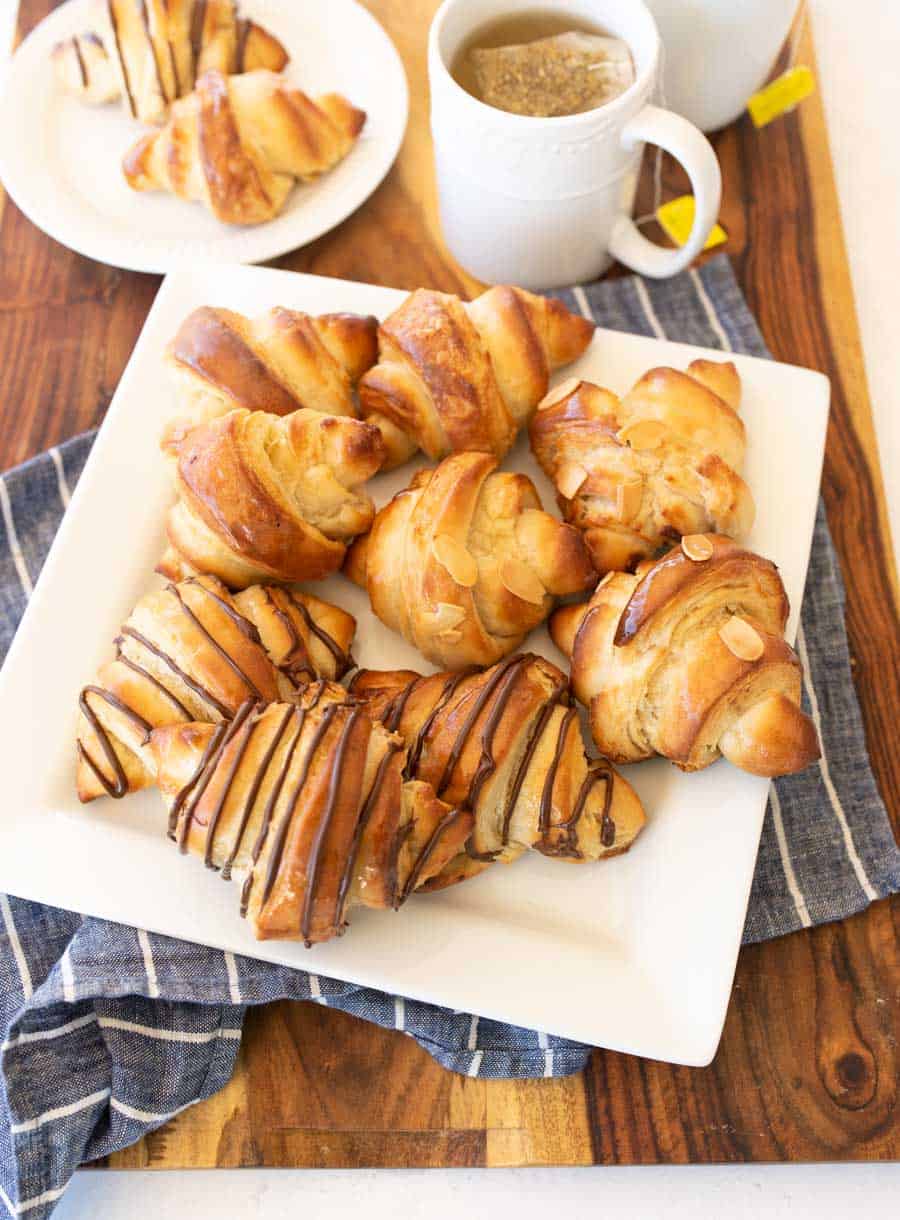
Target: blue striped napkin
108,1030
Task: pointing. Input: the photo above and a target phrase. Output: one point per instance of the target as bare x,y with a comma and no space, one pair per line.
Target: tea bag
563,74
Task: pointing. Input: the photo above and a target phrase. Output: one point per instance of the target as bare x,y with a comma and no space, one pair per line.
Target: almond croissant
270,498
279,362
454,375
506,744
192,652
688,659
152,51
239,144
637,474
307,803
464,562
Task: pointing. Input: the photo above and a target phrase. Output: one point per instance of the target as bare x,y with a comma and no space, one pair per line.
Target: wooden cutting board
808,1065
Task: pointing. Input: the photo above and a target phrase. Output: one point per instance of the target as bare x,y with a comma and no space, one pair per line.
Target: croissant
192,652
687,659
454,375
279,362
464,562
239,143
270,498
308,805
152,51
637,474
506,744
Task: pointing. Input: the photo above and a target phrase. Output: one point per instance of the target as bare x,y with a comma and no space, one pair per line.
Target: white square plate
636,954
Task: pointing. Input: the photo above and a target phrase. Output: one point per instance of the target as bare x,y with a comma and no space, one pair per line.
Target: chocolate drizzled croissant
192,652
506,743
152,51
308,804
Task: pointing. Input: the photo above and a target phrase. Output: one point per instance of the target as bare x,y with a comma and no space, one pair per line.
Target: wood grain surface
808,1064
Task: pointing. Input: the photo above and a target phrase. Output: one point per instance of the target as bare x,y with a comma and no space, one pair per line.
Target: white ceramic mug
718,53
544,202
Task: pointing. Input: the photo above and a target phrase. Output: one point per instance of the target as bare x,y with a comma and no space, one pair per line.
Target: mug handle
680,138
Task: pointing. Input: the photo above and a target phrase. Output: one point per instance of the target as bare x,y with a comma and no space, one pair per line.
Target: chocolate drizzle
281,834
82,66
170,663
243,27
546,809
298,714
211,639
486,763
393,713
451,816
414,756
600,770
298,660
182,811
252,793
151,678
321,832
145,18
534,738
119,785
393,747
111,11
216,813
198,21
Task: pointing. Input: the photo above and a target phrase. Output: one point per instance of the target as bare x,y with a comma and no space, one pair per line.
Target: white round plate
60,160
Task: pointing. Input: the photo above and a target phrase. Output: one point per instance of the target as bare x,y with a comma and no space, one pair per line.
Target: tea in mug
543,64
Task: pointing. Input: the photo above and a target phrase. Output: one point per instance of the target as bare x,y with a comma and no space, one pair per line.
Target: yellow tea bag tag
782,95
677,220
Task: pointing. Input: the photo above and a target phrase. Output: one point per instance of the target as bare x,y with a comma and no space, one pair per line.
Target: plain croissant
192,652
239,143
152,51
687,659
454,375
464,562
308,805
279,362
264,497
637,474
506,744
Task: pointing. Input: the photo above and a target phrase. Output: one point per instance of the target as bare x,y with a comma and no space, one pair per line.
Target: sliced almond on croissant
642,434
521,581
447,616
558,393
456,560
569,478
628,499
742,639
697,547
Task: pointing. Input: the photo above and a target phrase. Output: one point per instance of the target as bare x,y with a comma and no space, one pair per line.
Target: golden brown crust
453,376
637,474
280,362
192,652
152,51
464,563
687,659
263,497
506,744
238,144
308,805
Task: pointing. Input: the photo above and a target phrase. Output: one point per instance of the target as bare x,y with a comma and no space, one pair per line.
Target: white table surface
858,48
